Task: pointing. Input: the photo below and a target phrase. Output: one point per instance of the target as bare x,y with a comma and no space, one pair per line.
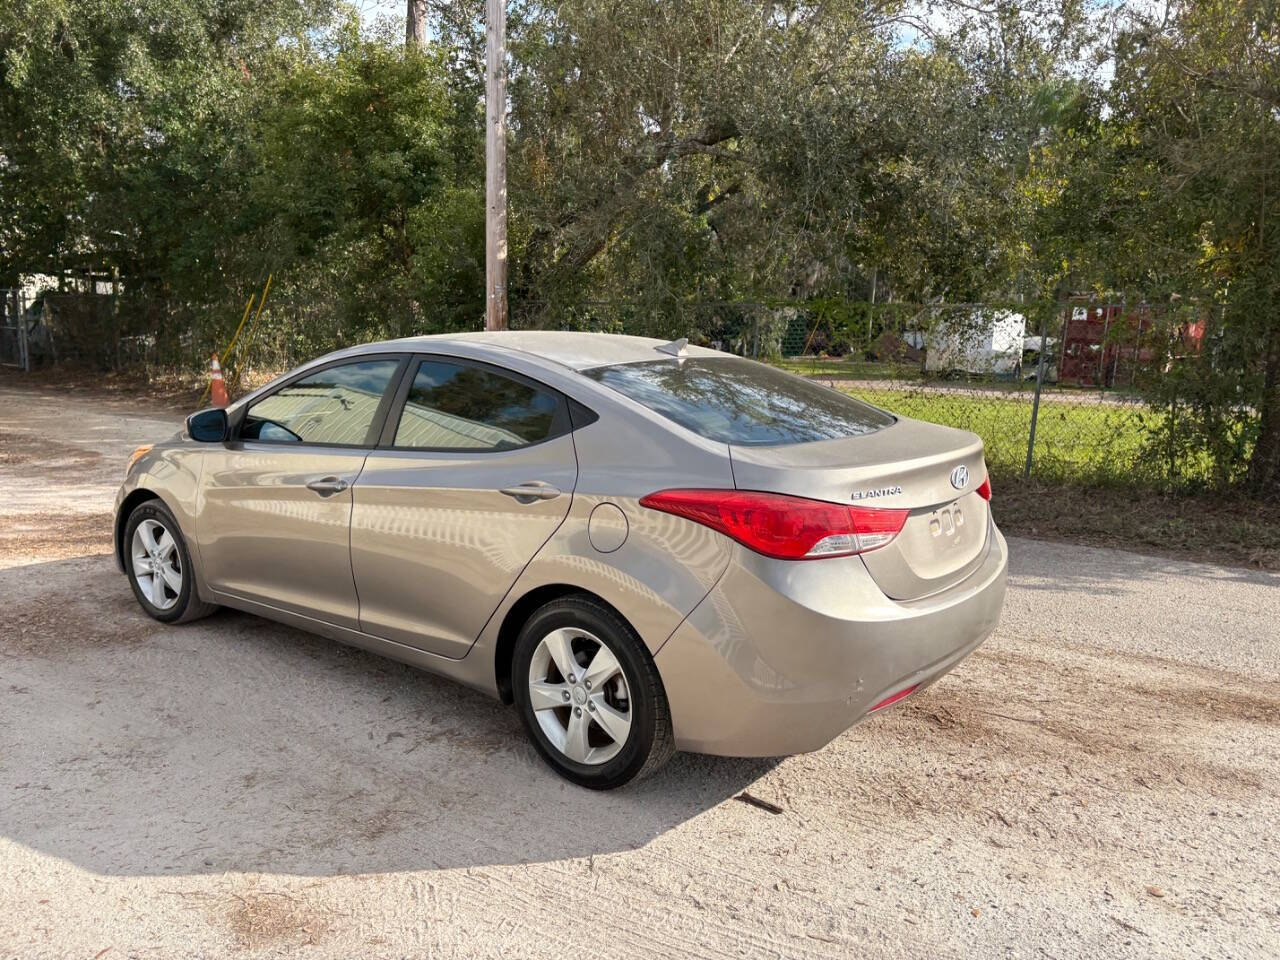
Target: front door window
336,406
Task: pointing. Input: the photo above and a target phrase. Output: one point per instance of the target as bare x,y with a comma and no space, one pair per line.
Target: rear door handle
327,486
531,491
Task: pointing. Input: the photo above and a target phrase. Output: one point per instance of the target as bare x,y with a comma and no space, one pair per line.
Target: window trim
394,384
561,424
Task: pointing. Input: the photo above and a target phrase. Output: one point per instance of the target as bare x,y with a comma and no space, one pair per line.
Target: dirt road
1102,779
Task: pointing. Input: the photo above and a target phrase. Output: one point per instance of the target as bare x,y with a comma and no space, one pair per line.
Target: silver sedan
644,546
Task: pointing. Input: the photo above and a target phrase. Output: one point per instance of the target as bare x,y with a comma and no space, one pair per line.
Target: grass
1095,478
835,368
839,369
1083,442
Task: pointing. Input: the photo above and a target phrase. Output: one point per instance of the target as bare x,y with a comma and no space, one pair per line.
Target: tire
580,627
180,605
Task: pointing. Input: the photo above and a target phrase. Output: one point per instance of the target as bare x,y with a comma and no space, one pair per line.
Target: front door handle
531,491
327,486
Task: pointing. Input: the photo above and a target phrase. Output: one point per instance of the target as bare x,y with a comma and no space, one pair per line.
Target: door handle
531,491
327,486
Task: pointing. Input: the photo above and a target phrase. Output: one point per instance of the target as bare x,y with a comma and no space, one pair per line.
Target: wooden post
495,161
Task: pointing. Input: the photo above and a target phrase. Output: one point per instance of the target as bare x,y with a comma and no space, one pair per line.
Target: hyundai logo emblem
960,477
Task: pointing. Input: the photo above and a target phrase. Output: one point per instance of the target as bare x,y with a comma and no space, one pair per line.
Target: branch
651,155
710,203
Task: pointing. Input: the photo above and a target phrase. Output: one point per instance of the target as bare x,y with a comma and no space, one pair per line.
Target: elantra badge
878,492
960,477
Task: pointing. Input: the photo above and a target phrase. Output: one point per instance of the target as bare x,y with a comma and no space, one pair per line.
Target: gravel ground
1099,780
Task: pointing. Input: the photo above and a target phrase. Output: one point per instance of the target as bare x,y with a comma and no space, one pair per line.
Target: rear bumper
782,657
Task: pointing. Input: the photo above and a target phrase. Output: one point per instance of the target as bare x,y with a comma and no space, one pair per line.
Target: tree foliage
1196,126
192,148
732,149
673,160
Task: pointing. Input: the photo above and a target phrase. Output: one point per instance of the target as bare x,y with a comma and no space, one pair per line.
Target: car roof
574,349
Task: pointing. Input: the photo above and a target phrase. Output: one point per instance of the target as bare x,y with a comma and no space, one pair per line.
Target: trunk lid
910,464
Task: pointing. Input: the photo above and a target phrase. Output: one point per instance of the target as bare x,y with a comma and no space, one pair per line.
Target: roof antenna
675,348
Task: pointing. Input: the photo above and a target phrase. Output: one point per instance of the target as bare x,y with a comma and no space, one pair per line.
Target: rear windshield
739,401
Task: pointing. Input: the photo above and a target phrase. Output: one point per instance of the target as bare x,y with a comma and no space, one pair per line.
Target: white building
982,342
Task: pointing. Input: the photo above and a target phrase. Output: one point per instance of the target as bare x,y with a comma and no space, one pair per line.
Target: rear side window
335,406
456,406
739,401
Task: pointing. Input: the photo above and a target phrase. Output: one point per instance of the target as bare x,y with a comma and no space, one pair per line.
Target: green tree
193,147
117,119
732,150
362,193
1197,117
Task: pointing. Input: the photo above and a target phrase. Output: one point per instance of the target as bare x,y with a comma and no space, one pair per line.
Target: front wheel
159,566
590,696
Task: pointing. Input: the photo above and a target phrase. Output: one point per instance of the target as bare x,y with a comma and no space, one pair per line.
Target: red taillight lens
789,528
984,491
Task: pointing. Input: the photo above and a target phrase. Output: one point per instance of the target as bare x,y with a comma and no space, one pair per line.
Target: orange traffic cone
217,386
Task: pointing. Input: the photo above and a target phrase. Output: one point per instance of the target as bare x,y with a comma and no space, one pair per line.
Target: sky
370,10
934,15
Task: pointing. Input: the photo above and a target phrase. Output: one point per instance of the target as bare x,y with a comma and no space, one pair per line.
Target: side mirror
208,426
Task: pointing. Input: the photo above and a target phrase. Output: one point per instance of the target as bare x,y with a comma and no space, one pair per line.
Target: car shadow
236,744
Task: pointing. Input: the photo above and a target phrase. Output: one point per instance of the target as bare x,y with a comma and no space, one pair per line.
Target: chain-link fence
99,331
1057,391
144,333
15,348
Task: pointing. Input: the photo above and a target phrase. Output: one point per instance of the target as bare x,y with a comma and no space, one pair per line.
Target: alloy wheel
579,696
157,564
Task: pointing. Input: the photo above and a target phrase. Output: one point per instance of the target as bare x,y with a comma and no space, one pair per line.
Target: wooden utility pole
495,163
415,24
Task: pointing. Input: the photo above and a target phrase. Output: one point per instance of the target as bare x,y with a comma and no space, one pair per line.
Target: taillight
984,491
789,528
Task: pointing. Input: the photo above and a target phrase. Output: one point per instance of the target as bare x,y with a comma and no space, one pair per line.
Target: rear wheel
590,696
159,566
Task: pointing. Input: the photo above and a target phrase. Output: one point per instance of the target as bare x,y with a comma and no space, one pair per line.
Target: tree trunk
1264,466
415,23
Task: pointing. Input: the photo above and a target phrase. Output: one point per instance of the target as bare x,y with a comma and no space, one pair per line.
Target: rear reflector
788,528
984,491
891,700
